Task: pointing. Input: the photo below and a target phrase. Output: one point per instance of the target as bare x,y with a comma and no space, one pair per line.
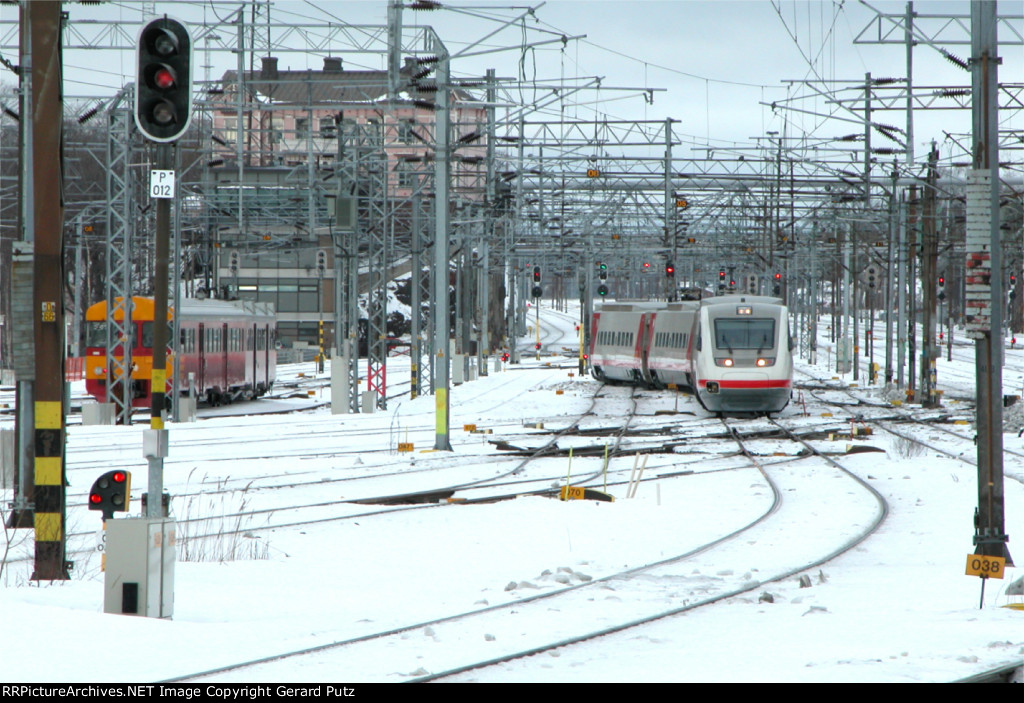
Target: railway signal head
670,270
111,493
163,87
536,274
602,290
942,287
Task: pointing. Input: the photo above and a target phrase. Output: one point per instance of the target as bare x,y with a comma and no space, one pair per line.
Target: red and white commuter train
228,347
734,351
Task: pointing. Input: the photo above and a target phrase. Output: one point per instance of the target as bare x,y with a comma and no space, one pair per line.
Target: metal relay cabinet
140,559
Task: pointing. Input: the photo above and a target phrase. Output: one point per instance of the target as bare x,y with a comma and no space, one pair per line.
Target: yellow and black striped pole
49,491
44,23
320,344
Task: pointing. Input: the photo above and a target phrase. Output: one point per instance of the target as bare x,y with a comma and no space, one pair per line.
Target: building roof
334,85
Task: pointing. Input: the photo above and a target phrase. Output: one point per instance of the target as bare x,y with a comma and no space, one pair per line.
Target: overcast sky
715,61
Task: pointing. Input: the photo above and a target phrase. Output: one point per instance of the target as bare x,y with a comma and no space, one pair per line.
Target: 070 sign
161,183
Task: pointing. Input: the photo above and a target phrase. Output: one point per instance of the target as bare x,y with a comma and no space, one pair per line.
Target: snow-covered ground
898,608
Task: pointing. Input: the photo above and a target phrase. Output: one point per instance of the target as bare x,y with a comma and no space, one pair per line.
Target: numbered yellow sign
986,567
573,492
682,203
593,173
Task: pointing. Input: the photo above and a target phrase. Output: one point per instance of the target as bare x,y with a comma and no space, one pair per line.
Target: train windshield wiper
725,343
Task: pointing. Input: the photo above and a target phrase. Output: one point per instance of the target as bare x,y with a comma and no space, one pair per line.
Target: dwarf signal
111,493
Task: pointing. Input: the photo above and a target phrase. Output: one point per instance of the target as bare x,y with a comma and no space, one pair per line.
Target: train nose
712,387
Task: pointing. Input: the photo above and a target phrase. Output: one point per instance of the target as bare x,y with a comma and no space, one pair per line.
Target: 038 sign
985,567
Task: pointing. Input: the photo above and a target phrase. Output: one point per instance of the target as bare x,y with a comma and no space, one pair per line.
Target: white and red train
734,352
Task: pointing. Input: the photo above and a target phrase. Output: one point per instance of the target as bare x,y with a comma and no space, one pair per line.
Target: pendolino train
734,351
228,346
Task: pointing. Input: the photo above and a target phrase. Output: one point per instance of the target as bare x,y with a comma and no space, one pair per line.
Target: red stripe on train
772,383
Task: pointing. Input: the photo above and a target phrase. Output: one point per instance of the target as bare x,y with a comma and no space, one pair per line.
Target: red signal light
778,277
95,498
164,78
119,477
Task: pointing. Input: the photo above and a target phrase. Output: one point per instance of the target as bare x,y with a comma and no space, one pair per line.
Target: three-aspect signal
942,287
670,270
537,290
777,286
163,87
602,273
111,493
1013,286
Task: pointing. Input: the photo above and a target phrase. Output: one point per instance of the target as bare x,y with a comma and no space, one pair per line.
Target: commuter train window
147,335
95,334
733,334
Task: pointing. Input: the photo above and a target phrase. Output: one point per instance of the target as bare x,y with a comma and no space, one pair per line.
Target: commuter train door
201,366
645,336
224,346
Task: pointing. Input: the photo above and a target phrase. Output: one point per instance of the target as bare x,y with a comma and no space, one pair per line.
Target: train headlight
766,361
723,362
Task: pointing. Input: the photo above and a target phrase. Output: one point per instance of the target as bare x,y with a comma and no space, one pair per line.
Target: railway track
640,592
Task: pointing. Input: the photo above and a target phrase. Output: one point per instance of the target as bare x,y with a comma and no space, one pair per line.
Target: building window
328,129
405,131
301,128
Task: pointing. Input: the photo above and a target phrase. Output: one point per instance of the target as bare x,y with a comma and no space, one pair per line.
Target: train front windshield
732,334
96,334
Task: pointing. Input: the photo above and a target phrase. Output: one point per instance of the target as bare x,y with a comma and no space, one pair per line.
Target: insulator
428,59
955,92
956,60
88,114
425,5
885,81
